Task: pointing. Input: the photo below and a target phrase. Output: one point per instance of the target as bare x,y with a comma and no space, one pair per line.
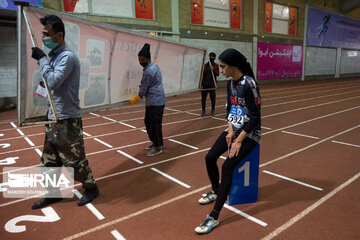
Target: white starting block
245,179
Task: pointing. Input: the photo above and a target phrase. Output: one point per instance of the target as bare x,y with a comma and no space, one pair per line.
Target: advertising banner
235,13
292,21
279,61
197,12
268,22
144,9
327,29
9,4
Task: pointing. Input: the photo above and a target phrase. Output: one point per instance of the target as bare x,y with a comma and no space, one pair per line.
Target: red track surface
310,134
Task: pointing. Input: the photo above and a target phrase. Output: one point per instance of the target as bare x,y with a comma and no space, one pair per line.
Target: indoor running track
309,186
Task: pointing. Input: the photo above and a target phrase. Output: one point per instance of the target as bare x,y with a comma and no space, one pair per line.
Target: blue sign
9,4
245,180
326,29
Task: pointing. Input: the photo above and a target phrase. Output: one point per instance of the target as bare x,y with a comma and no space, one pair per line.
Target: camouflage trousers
64,146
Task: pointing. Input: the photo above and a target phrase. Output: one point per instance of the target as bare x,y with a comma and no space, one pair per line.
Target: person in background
242,135
211,71
152,89
64,144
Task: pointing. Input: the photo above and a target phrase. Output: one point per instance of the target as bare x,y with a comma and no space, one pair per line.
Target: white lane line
308,210
104,143
307,147
292,180
143,130
117,235
311,106
183,144
170,177
110,119
148,209
266,128
94,114
86,134
298,134
171,109
38,151
128,125
29,142
196,114
255,220
90,206
13,125
131,157
20,132
348,144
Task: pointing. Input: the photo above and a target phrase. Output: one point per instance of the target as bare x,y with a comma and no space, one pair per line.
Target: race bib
236,116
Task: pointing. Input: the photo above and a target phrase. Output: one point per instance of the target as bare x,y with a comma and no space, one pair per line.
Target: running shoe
149,146
155,151
208,198
207,226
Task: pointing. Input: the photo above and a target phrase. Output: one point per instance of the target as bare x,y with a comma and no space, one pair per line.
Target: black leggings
220,147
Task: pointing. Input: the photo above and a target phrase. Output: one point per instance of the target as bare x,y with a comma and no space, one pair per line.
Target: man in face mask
152,88
64,144
211,71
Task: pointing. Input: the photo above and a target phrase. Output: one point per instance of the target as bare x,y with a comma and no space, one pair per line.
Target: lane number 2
50,216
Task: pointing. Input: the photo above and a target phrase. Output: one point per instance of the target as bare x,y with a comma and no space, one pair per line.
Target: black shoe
44,202
89,196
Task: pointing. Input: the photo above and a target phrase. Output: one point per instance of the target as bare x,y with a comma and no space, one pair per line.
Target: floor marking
29,142
310,209
96,115
292,180
38,151
86,134
309,146
183,144
127,124
170,109
107,224
349,144
266,128
188,112
311,106
298,134
117,235
311,120
13,125
131,157
171,178
90,206
143,130
313,98
20,132
109,119
104,143
246,215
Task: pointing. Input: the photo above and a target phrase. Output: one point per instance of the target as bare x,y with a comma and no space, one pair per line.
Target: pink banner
278,61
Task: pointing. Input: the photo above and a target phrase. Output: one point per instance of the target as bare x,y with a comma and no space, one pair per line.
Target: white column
175,20
255,38
338,62
304,42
